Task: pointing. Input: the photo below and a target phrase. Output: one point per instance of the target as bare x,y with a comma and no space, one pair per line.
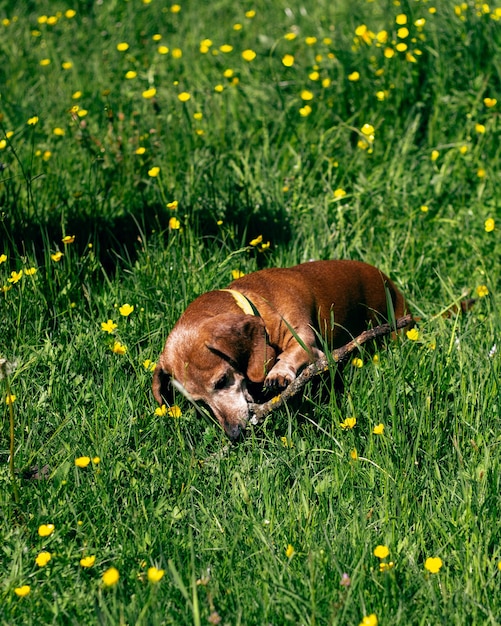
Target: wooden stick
339,355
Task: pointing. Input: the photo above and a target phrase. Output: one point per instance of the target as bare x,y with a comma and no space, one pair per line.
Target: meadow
151,151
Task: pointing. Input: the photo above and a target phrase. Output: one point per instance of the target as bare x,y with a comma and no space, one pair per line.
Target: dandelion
433,564
126,309
248,55
68,239
22,591
354,76
45,530
184,96
15,277
108,327
174,223
111,577
154,172
155,575
381,552
482,291
289,551
33,120
369,620
348,423
149,93
412,334
489,225
82,461
219,88
87,561
490,102
161,410
378,430
43,558
288,60
119,348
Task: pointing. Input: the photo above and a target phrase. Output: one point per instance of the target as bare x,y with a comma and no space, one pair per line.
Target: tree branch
339,355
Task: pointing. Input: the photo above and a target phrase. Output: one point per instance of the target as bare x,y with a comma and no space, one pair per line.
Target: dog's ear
242,340
162,386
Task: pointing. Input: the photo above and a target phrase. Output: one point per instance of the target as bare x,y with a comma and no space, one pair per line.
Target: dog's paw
280,376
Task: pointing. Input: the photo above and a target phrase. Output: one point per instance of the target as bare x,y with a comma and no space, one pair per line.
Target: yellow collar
243,302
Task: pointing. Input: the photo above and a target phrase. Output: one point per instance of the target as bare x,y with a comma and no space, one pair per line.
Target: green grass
265,531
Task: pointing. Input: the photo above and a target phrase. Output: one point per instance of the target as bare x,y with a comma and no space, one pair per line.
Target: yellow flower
219,88
481,173
173,205
15,277
174,223
126,309
10,399
66,65
110,577
96,460
490,102
433,564
162,50
290,36
339,193
154,172
119,348
76,95
369,620
140,150
424,208
412,334
354,454
489,225
68,239
70,13
403,32
45,530
248,55
225,48
357,362
155,575
401,19
386,567
131,74
123,46
368,131
250,14
174,411
3,258
305,111
310,41
184,96
43,558
482,291
175,8
161,410
287,443
87,561
306,95
237,274
378,430
148,364
256,241
289,551
22,591
45,62
59,132
389,53
108,327
381,552
288,60
149,93
480,128
348,423
401,47
177,53
354,76
33,120
82,461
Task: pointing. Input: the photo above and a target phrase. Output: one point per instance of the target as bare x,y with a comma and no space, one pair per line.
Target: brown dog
264,328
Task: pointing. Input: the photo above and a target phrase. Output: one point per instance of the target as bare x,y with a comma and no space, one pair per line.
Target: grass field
149,151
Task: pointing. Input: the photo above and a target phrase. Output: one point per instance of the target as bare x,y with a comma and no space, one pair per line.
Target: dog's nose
234,431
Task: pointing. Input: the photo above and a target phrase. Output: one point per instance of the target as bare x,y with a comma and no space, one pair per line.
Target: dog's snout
235,432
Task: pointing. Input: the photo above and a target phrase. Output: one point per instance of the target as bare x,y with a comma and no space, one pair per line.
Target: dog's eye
223,382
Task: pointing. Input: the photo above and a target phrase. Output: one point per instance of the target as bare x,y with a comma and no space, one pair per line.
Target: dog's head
215,363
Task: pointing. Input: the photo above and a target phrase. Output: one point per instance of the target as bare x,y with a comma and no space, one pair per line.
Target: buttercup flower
30,271
45,530
161,410
354,76
433,564
248,55
489,225
111,577
68,239
174,411
174,223
354,454
434,155
119,348
482,291
288,60
3,258
123,46
369,620
15,277
109,326
173,205
10,399
357,362
126,309
155,575
22,591
305,111
306,95
412,334
33,120
256,241
184,96
490,102
43,558
149,93
154,172
381,552
57,256
339,193
148,364
82,461
289,551
348,423
237,274
87,561
378,430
